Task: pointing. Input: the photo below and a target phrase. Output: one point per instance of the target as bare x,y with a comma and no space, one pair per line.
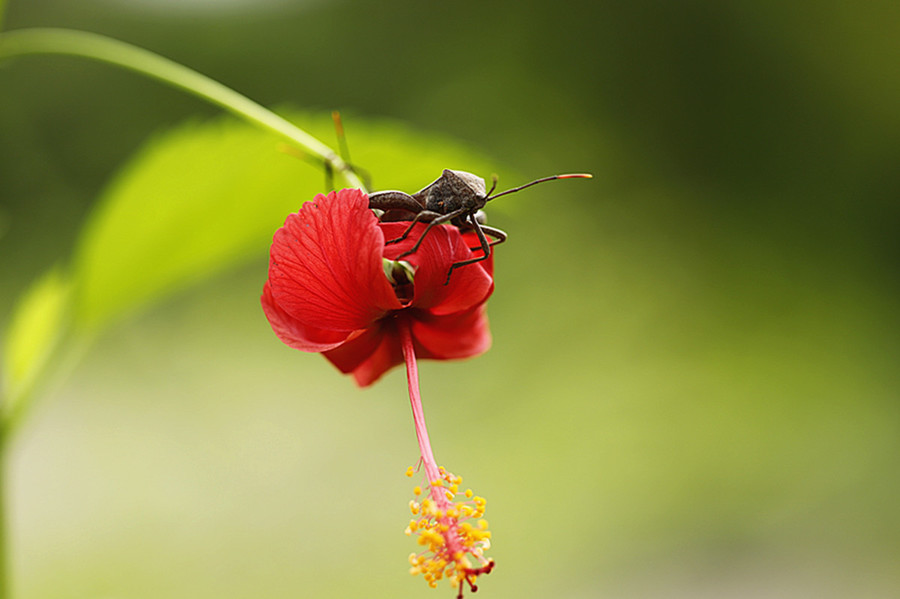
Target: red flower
328,289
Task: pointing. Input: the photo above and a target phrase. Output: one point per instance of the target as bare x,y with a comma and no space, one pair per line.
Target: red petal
460,335
376,350
469,285
325,266
369,355
294,333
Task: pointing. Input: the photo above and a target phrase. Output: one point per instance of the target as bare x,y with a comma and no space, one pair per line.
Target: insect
456,197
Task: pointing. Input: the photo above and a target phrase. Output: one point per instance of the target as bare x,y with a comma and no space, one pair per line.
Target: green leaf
38,324
207,196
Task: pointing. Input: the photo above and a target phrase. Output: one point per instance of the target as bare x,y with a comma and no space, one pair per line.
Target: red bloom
328,290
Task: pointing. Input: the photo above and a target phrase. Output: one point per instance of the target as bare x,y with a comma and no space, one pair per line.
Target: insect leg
440,219
485,248
394,200
423,216
498,236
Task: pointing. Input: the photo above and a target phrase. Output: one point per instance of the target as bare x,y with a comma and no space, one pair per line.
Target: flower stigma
450,525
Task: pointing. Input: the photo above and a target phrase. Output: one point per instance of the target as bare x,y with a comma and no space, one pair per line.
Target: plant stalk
22,42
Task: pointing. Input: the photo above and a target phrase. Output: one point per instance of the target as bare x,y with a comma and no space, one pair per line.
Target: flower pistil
449,523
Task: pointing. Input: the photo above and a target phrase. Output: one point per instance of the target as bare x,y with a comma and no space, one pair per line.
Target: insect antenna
494,179
535,182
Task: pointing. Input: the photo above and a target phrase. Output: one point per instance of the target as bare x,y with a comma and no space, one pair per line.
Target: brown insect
456,197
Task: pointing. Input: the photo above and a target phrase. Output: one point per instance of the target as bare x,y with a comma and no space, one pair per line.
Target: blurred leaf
37,325
206,196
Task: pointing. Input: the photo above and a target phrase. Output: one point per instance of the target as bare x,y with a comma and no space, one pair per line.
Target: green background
693,389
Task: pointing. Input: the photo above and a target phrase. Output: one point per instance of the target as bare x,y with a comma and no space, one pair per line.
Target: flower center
400,274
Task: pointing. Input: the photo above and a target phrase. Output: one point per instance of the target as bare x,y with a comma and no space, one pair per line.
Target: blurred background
693,389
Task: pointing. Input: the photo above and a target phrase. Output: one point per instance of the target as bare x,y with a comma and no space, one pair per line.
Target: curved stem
23,42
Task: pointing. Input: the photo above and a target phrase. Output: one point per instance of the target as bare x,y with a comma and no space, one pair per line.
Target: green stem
22,42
